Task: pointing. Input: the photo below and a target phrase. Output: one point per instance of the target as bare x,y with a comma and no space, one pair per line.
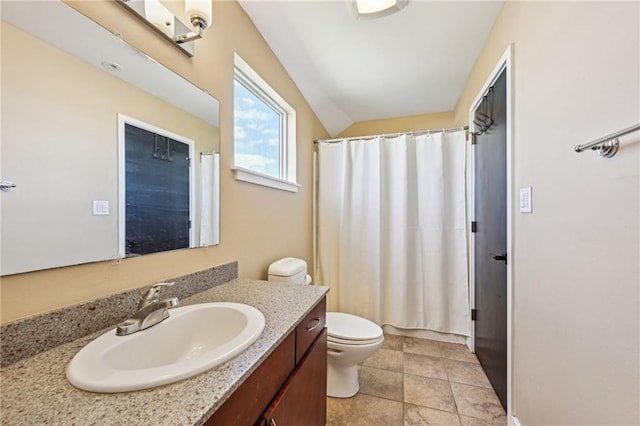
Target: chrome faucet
151,311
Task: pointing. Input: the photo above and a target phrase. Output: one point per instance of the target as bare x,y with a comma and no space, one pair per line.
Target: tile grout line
446,371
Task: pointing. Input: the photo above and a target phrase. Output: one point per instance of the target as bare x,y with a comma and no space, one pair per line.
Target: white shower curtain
209,199
392,230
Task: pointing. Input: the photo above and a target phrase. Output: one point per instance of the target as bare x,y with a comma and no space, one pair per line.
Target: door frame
504,64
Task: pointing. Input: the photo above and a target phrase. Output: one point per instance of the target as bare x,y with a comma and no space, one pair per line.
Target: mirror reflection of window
157,191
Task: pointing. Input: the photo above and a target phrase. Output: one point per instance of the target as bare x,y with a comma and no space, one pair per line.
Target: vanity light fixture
164,22
369,9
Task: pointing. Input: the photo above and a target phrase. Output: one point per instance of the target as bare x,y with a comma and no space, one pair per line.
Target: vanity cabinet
302,400
289,387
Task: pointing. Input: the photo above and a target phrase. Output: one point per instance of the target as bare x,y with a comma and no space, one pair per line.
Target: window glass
257,133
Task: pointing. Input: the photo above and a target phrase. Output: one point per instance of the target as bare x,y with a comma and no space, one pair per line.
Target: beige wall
258,224
60,142
436,120
576,258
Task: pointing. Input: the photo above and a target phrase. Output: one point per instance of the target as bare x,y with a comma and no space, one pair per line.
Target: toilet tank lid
287,267
351,327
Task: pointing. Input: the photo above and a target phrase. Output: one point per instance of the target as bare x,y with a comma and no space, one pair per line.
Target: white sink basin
193,339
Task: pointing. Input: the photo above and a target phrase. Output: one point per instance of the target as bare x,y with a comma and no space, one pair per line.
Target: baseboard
513,421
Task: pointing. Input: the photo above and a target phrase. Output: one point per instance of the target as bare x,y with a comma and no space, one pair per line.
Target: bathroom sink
193,339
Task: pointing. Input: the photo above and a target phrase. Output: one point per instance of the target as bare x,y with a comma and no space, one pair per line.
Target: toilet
350,339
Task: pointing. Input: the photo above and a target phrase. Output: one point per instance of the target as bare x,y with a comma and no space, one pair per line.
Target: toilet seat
352,342
349,329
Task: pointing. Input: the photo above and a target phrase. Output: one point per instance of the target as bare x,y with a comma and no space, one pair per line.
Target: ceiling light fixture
370,9
157,16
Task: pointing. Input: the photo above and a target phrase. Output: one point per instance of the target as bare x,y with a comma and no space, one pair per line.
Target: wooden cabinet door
250,400
303,400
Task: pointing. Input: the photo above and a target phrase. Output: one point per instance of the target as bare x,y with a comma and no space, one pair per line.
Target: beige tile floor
412,382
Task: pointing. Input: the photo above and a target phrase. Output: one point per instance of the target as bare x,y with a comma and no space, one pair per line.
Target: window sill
250,176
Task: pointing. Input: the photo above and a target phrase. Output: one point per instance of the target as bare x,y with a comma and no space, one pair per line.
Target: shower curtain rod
416,132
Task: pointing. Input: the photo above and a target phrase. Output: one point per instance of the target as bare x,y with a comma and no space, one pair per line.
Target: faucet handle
151,293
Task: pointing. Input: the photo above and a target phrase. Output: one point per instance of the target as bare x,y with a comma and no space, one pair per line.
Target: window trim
251,176
287,180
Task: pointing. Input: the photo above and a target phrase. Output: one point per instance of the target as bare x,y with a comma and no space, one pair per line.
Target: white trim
513,421
121,186
505,63
470,214
261,89
122,120
257,178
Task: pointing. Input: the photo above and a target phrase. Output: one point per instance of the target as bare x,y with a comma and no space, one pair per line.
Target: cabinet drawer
310,328
248,402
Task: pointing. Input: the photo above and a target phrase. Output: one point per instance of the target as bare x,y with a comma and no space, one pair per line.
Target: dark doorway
491,238
157,193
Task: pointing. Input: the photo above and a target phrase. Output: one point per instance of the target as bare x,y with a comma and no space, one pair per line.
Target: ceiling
413,62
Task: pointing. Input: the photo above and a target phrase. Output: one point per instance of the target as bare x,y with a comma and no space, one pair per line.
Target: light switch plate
100,208
525,200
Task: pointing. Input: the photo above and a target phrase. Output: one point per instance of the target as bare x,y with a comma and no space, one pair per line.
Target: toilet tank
289,269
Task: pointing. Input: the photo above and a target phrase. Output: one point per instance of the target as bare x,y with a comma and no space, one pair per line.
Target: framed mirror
70,88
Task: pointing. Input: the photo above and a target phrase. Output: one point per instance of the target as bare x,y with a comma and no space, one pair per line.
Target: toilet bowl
350,339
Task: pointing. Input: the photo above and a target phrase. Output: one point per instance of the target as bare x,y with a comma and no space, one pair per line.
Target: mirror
68,88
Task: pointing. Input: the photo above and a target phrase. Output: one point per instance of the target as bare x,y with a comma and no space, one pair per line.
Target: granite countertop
36,391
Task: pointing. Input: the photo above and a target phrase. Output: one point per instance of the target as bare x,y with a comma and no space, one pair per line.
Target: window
264,132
